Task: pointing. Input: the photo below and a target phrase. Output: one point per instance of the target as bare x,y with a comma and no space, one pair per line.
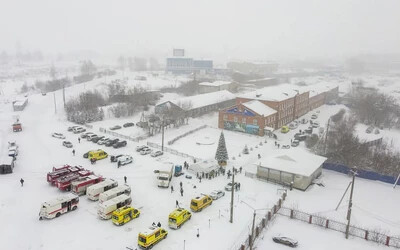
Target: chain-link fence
371,235
172,151
185,134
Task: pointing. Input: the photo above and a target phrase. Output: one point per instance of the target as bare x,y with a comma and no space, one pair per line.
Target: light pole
254,221
232,193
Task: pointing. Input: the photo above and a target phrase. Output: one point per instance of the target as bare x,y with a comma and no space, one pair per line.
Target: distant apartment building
258,68
178,64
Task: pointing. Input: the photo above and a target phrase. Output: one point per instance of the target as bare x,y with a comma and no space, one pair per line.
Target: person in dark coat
181,191
240,170
125,178
22,182
180,183
73,152
158,224
177,203
172,188
119,164
200,179
79,139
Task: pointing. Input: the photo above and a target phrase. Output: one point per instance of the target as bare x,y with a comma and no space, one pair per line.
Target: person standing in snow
79,139
125,178
158,224
177,203
172,188
181,191
73,152
22,182
180,184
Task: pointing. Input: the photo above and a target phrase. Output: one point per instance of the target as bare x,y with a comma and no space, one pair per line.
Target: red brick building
248,117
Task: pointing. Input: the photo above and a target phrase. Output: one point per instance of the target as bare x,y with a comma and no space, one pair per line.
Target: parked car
97,138
293,125
156,153
285,129
314,116
79,130
228,186
43,93
309,130
119,144
114,158
67,144
285,241
315,124
295,143
129,124
300,137
216,194
145,151
111,142
369,129
125,159
304,121
58,135
90,137
72,128
139,148
84,135
285,146
115,127
103,141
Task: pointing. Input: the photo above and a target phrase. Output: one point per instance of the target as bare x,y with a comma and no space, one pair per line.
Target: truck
105,209
61,171
108,195
58,206
93,192
164,175
80,185
64,182
178,170
17,127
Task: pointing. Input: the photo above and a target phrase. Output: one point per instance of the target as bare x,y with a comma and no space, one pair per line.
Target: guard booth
6,165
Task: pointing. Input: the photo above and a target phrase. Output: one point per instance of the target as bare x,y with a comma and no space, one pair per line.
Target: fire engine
59,206
80,185
64,182
61,171
94,191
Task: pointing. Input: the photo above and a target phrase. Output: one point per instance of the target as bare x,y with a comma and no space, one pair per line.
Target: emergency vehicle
124,215
80,185
108,195
197,204
178,217
105,209
58,206
61,171
97,155
152,236
94,191
64,182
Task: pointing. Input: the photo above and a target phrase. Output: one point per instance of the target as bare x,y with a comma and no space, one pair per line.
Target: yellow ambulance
197,204
97,154
152,236
124,215
178,217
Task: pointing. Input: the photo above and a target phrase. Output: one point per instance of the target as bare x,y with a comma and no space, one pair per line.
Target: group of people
181,188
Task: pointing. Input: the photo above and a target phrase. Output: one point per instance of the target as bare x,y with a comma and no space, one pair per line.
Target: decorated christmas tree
222,154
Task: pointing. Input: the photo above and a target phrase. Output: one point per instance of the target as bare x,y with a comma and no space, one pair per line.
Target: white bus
95,190
108,195
58,206
105,209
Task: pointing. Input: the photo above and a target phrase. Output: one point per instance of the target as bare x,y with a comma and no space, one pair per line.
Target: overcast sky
252,29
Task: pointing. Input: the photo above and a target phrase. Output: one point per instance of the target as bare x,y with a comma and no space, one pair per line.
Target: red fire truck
64,183
61,171
80,185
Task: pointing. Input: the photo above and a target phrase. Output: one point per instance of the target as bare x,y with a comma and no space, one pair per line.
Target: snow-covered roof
6,160
317,89
274,93
204,166
363,136
296,161
214,84
202,100
259,107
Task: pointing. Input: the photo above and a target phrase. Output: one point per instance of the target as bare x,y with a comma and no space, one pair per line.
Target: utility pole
55,105
162,132
232,193
252,230
350,205
326,135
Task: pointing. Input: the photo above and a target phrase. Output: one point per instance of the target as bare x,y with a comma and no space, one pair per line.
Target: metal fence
135,139
371,235
185,134
172,151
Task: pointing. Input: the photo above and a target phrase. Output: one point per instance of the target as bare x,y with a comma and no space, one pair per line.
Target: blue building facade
181,65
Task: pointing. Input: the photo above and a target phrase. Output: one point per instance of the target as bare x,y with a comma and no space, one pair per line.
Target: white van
94,191
59,206
105,209
108,195
90,137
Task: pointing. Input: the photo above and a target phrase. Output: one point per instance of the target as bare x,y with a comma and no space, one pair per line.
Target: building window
235,119
225,117
244,120
255,122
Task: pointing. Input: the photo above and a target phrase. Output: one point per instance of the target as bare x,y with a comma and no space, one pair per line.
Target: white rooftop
274,93
259,107
297,161
214,84
202,100
204,166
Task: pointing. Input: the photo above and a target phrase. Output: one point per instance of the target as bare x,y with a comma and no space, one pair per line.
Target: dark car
86,155
119,144
309,130
129,124
97,138
285,241
115,127
67,144
111,142
300,137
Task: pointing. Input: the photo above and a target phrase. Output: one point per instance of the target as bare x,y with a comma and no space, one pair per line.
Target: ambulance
93,192
178,217
197,204
106,209
124,215
152,236
59,206
108,195
79,186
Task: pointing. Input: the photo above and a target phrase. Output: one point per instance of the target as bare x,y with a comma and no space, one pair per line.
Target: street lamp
254,219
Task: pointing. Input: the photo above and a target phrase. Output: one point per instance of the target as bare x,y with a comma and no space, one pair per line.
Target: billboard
179,52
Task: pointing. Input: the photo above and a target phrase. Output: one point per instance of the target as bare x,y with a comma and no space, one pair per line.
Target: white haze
219,29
